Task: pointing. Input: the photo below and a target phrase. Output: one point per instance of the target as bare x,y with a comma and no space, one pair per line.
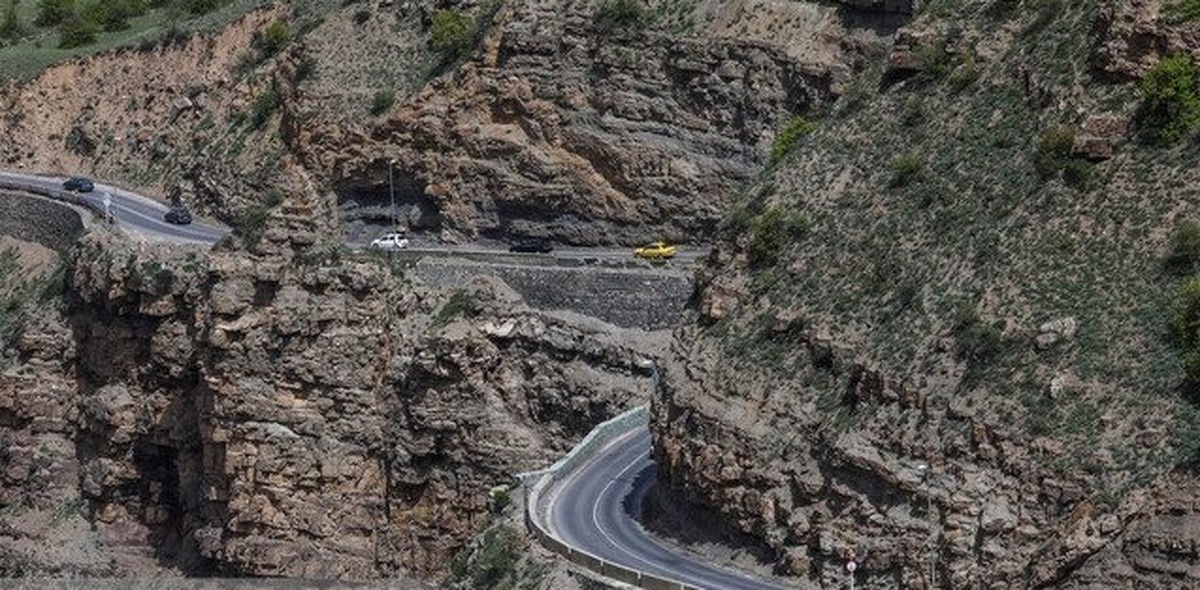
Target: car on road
178,216
539,245
392,241
79,184
656,251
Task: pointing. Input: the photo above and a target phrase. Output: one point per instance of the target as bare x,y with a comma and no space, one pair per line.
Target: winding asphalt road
143,217
134,213
597,509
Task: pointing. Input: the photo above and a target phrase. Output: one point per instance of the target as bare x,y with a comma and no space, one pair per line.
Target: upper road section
597,509
142,216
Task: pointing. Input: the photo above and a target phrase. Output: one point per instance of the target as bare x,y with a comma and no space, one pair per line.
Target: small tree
773,231
1170,109
10,27
382,102
907,169
1184,251
76,31
273,39
616,15
1053,151
1185,325
450,34
52,12
787,139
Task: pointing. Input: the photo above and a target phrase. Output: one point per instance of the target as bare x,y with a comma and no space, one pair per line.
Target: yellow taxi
656,251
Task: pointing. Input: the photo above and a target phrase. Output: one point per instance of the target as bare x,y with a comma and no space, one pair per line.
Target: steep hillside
936,333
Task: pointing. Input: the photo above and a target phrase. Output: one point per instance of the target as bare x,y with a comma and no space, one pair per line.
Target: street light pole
392,191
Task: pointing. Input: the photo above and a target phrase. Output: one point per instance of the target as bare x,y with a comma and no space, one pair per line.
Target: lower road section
134,213
597,509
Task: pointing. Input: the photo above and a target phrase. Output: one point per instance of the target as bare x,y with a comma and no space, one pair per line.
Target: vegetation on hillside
37,33
948,205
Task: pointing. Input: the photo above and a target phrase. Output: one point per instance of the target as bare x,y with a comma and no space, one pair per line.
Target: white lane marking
600,500
685,556
552,490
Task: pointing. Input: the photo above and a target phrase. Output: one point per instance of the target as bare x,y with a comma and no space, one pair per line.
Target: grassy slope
888,269
40,48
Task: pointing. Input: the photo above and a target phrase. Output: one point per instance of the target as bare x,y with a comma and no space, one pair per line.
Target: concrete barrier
536,483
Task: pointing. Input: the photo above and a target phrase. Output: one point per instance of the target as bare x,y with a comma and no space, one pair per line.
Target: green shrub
450,34
1078,174
1053,151
1184,251
908,169
1185,325
271,40
621,15
1183,10
76,31
459,303
933,60
774,230
974,339
52,12
264,106
1170,108
787,139
10,26
966,73
204,6
497,559
913,114
382,102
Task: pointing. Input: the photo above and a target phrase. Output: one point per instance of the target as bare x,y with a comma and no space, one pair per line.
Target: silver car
393,241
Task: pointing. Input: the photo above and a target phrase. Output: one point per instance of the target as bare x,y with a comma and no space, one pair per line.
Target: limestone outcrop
285,410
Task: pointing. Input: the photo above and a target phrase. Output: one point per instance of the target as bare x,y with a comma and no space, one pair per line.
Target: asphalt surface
598,507
134,213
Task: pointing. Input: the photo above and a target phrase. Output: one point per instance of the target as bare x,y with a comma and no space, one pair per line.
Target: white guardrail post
536,482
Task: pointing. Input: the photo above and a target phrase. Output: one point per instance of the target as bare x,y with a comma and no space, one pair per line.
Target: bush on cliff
1170,109
621,15
1185,326
450,34
773,231
52,12
1184,251
788,138
76,31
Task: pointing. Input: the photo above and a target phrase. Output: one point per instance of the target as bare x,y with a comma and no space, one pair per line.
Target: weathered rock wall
287,412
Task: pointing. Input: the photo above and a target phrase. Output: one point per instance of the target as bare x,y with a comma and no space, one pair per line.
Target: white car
390,242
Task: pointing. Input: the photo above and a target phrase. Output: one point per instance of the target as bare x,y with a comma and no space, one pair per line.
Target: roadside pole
108,208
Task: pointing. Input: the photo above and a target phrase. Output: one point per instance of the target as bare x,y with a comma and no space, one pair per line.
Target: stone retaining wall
35,219
631,298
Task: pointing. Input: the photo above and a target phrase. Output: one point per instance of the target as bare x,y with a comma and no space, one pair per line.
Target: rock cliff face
284,411
559,129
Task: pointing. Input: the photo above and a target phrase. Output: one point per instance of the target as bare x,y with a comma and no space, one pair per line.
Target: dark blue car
79,184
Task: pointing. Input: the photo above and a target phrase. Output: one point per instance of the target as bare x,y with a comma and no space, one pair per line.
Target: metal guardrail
537,481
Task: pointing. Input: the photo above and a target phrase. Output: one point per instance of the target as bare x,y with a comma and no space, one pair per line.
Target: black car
531,245
178,216
79,184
